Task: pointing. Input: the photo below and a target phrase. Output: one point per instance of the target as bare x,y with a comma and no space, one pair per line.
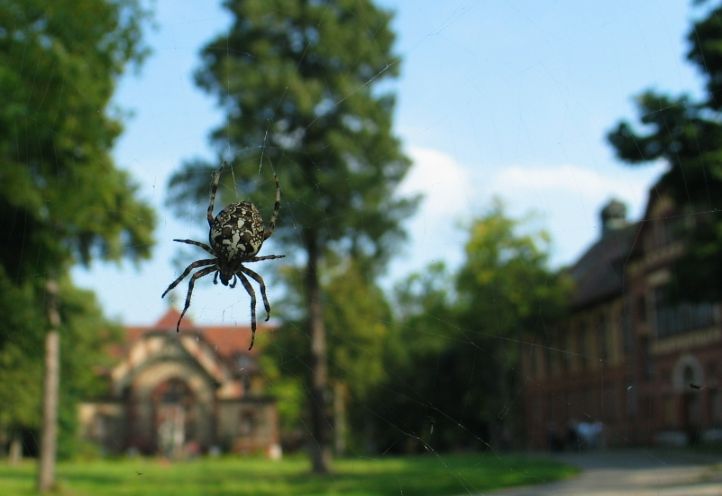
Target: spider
235,237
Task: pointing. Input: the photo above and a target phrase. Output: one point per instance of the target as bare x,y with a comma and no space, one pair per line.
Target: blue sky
506,98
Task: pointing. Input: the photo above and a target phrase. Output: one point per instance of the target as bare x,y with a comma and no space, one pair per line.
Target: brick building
648,370
187,392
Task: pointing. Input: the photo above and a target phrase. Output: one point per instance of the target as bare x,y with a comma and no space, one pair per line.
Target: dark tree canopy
686,133
62,199
296,80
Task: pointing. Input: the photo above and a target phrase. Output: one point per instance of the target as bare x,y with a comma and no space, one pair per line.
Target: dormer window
244,362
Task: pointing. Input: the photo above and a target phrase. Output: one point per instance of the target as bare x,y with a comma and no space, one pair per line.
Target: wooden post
49,434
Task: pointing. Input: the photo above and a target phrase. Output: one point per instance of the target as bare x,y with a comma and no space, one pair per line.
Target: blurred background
501,229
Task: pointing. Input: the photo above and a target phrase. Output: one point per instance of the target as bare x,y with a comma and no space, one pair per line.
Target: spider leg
215,278
196,243
252,294
276,207
233,282
262,285
214,188
194,265
197,275
266,257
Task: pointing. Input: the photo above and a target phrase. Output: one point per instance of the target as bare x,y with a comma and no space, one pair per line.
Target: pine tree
297,80
687,134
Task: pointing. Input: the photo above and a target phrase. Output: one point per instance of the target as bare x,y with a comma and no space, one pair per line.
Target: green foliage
687,135
422,475
286,388
62,200
84,332
358,320
298,83
296,79
403,409
453,362
20,362
506,277
506,292
85,337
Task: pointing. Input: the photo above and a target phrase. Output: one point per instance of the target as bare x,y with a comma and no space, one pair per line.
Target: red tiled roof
226,340
170,318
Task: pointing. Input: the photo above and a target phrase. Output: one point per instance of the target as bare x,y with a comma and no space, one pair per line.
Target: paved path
634,473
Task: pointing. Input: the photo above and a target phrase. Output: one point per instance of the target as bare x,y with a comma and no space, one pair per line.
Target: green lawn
419,475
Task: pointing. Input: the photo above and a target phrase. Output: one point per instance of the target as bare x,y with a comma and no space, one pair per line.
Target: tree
358,319
297,82
507,292
403,409
686,133
62,200
20,337
455,358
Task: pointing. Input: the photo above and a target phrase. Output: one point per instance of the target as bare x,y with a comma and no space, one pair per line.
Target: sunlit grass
418,475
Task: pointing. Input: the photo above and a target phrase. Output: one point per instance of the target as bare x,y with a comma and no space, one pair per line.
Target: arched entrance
173,417
687,381
691,408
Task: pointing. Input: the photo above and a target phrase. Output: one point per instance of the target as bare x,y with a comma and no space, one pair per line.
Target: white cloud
444,183
447,189
570,198
567,196
573,179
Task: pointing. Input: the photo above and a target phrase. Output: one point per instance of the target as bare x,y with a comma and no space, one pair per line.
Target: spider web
507,100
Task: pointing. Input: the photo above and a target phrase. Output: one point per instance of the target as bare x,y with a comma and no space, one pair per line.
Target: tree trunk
15,455
340,423
48,445
320,448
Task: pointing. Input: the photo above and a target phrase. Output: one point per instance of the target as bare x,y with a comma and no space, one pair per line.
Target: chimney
613,216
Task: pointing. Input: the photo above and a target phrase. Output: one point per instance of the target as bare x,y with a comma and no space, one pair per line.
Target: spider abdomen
237,232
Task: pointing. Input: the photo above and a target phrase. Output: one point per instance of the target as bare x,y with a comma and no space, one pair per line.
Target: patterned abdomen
237,232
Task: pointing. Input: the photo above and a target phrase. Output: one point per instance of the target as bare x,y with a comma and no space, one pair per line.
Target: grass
419,475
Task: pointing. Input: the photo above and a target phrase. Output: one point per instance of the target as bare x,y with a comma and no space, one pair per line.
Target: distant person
553,438
573,442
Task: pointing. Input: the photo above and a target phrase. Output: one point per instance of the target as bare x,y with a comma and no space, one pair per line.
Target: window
625,327
246,379
716,407
610,410
675,318
641,305
533,363
603,338
630,396
564,356
646,357
244,362
548,366
669,411
570,351
246,424
665,230
582,348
